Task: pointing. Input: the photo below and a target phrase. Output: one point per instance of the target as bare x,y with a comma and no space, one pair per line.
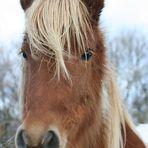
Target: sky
125,14
117,14
11,23
127,11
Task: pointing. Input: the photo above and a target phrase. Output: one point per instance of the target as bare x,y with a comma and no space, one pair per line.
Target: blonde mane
115,112
51,25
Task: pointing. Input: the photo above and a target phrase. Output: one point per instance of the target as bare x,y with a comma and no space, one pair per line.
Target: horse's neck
132,140
94,137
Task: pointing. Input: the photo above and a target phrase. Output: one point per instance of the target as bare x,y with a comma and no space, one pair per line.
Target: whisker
9,142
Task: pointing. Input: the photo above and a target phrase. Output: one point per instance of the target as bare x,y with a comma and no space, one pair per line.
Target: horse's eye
86,56
24,55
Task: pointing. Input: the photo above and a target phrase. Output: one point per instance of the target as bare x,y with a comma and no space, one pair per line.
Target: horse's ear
95,8
26,3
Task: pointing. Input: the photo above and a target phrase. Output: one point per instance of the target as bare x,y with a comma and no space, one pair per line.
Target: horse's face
61,109
57,113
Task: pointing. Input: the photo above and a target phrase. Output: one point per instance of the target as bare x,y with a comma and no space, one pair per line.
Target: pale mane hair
114,112
51,24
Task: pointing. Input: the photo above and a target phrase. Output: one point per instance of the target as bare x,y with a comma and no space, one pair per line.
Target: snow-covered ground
143,131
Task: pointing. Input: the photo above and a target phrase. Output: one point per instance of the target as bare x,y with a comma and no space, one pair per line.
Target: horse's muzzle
50,140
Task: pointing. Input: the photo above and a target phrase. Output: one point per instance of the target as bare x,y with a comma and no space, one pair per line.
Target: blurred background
125,24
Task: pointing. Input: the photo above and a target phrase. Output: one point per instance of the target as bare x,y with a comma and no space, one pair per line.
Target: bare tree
9,115
128,51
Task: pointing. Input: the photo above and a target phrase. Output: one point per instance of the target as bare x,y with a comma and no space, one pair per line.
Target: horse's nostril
21,139
51,140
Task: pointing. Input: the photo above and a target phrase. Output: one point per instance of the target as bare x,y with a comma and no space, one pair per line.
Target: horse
70,98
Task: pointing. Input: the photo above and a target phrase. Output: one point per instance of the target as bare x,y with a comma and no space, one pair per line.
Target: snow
143,131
